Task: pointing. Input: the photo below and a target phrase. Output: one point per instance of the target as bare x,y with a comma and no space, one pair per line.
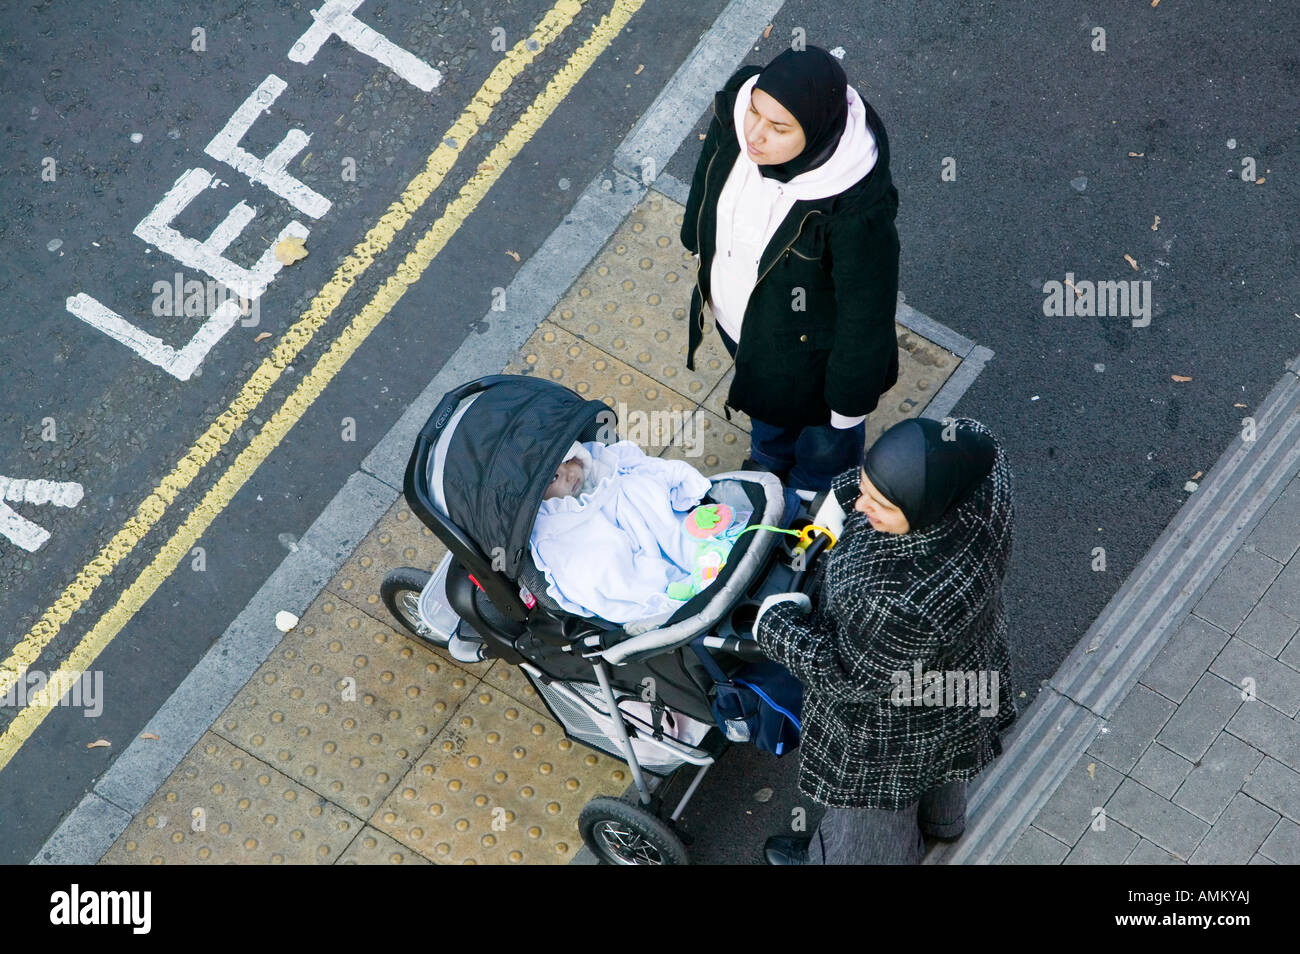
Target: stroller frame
508,623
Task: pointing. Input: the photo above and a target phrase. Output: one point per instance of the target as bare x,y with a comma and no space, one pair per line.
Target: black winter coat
887,603
840,353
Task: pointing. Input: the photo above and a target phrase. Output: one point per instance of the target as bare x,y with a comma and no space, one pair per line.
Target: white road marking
334,18
270,171
19,529
207,256
180,363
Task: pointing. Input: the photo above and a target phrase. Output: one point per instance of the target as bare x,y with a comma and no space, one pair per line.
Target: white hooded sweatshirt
752,207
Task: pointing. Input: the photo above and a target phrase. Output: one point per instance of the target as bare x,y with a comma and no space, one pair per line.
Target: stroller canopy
502,452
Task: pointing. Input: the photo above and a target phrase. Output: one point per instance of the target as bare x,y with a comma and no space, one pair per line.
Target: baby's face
567,480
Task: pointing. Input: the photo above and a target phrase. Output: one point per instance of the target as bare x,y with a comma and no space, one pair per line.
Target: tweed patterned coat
927,600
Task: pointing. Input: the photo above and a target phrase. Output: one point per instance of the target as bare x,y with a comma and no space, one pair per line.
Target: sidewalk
1170,734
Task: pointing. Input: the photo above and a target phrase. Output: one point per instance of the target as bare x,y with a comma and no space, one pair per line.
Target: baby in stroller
616,535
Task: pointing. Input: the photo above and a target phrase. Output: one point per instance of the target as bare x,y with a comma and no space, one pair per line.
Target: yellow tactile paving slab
345,705
710,444
398,539
639,400
501,785
512,681
244,810
373,847
633,300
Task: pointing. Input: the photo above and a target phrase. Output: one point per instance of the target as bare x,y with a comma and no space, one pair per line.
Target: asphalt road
1039,126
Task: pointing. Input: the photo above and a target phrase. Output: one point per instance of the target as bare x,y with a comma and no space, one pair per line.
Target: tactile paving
500,785
373,847
248,813
633,300
398,539
641,402
345,705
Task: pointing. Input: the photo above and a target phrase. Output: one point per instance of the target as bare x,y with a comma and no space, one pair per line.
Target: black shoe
947,841
784,850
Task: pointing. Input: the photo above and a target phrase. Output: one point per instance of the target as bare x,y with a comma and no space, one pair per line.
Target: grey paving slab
1237,835
1260,860
1070,810
1267,629
1185,658
1149,853
1273,682
1200,717
1217,777
1156,819
1282,846
1161,770
1284,594
1107,846
1237,589
1036,847
1124,738
1269,731
1278,533
1291,655
1276,786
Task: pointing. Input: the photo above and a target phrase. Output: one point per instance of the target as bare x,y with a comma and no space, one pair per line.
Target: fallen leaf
1180,377
1154,4
514,255
1136,155
1260,181
99,744
1092,770
290,250
262,337
148,735
1131,261
763,795
1156,224
767,31
639,68
703,136
1197,475
1070,284
1241,405
485,167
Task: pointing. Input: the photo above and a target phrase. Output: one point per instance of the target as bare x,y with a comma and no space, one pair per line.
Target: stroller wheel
400,591
620,833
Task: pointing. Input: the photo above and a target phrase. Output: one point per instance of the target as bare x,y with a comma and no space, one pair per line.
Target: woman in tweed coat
912,588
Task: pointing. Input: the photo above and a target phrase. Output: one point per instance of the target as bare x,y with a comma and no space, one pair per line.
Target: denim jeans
806,458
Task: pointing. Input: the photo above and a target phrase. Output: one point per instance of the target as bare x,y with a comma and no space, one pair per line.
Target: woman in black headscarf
904,660
791,213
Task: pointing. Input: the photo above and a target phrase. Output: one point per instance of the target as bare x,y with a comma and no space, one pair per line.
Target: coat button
803,337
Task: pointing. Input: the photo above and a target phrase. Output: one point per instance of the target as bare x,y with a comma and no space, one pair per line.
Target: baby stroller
476,478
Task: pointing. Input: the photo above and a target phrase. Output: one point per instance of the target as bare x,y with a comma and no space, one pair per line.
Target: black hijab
810,83
923,474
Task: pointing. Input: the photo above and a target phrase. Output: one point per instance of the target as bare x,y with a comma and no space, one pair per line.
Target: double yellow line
376,241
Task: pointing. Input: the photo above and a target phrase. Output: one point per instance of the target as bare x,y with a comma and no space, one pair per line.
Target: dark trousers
805,458
877,836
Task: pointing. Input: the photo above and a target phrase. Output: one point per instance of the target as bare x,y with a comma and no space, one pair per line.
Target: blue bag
761,703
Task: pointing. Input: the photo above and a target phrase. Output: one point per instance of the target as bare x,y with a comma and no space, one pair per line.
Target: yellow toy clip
806,537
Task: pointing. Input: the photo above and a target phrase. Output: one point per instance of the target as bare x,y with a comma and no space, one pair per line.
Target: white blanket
612,550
